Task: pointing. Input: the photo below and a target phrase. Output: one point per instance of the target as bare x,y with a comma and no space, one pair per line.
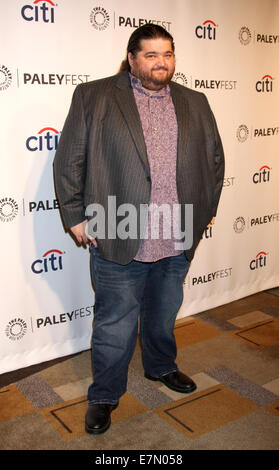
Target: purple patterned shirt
159,127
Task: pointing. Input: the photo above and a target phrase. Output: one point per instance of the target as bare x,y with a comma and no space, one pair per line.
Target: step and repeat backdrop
227,50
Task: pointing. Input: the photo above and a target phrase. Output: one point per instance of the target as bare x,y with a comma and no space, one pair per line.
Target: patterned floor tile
73,390
274,291
260,335
38,392
13,403
206,411
29,432
250,318
192,332
255,431
245,305
224,349
144,431
68,418
274,408
231,352
273,386
65,372
216,322
270,310
145,391
244,387
203,381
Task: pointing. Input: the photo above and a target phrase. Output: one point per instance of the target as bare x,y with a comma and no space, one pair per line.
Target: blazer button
148,179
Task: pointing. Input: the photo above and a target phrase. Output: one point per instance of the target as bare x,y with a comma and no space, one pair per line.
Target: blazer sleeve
70,163
219,165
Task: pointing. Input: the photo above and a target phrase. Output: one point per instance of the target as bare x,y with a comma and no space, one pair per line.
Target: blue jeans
151,291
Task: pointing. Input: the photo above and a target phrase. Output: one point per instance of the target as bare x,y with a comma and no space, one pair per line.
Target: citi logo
35,12
262,176
47,139
208,231
50,261
259,261
265,84
207,30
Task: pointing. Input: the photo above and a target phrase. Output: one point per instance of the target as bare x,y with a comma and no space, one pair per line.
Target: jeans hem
103,402
163,373
169,372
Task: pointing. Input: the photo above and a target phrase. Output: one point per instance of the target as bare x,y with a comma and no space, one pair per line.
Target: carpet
231,352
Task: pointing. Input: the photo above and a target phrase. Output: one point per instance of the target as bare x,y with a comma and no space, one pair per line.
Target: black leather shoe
176,381
97,418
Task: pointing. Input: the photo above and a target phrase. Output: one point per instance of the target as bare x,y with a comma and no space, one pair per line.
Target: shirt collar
136,84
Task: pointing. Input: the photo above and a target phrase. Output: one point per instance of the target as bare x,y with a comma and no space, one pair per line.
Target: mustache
161,67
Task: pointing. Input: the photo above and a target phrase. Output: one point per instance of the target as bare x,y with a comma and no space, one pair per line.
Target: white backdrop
228,50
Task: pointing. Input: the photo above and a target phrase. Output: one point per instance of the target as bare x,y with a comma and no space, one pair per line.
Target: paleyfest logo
16,329
8,209
5,77
242,132
239,224
245,37
179,77
204,83
253,222
99,18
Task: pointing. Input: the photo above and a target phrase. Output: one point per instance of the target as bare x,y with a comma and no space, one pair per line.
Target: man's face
154,64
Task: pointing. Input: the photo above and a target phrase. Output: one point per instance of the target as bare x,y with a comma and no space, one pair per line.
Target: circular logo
99,18
16,329
180,78
239,225
244,35
242,133
5,77
8,209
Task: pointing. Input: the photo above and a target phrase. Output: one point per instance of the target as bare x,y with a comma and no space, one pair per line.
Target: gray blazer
102,152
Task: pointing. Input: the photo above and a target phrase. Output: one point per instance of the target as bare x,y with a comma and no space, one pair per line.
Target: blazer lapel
182,115
127,104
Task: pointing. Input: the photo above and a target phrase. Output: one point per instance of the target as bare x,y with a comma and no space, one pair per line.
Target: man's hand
80,233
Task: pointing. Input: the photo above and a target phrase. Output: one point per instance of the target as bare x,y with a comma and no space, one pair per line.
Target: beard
155,79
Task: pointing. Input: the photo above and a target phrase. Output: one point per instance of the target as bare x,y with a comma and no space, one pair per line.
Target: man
130,142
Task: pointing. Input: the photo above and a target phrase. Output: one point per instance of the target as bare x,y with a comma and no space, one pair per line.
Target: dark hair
147,31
